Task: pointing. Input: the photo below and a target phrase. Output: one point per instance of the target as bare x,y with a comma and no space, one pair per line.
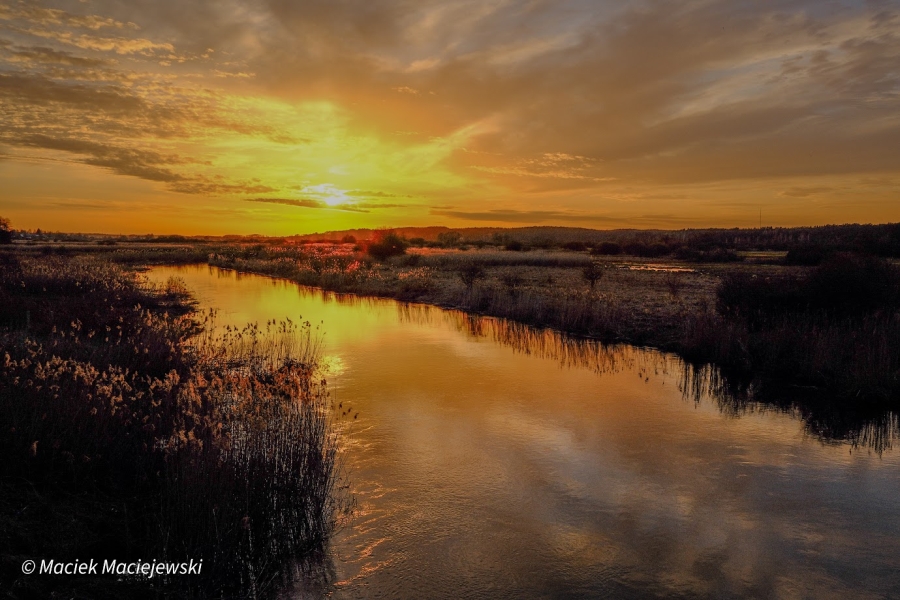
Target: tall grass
217,446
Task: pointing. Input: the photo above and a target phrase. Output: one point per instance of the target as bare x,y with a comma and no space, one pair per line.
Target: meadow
132,428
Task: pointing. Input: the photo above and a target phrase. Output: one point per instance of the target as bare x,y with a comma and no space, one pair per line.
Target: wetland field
387,417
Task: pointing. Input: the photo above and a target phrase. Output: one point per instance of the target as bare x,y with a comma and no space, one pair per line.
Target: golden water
491,460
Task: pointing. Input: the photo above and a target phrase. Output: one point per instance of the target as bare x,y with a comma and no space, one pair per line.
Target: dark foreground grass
131,432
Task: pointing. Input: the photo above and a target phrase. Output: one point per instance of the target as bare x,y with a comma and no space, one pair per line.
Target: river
490,460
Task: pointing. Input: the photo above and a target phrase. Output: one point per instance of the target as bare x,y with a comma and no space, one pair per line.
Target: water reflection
492,460
873,430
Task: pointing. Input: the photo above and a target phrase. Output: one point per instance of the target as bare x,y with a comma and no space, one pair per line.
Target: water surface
491,460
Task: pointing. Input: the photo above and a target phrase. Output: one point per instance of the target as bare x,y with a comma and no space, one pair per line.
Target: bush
716,255
592,273
449,239
470,272
845,285
5,231
849,284
647,250
809,256
575,246
607,249
514,246
387,245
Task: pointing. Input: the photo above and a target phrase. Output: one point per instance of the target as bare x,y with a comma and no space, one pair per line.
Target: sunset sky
288,116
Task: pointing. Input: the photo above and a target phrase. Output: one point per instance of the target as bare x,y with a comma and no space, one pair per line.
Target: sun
335,199
327,193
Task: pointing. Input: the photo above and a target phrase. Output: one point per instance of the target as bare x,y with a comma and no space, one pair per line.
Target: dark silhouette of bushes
715,255
386,245
835,328
592,273
470,272
5,231
846,285
575,246
644,250
606,249
807,256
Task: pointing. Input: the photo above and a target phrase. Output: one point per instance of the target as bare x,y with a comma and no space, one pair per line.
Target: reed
213,445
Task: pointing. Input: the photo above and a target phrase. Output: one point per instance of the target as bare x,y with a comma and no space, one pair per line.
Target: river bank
829,331
831,328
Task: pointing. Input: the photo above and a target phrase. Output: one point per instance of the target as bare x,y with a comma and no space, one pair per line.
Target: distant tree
469,273
5,231
674,282
348,239
449,238
607,248
387,244
575,246
592,273
514,246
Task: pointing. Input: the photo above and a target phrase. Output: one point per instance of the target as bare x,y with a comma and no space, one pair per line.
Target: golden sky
282,116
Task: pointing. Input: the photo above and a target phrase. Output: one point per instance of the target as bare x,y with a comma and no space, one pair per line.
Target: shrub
575,246
469,273
849,284
5,231
607,249
387,245
592,273
809,256
449,239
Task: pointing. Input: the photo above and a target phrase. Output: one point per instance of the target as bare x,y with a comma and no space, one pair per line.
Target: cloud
40,54
307,203
55,16
374,194
524,216
807,191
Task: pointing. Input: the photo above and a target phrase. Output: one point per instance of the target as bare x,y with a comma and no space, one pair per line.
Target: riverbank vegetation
833,327
133,431
764,304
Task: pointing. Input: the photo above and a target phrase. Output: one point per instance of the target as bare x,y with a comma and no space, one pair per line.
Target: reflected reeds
874,431
699,383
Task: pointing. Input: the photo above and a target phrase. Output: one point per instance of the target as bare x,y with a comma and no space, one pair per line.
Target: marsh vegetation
768,306
132,428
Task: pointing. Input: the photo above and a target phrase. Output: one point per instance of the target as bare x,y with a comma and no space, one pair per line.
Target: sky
280,117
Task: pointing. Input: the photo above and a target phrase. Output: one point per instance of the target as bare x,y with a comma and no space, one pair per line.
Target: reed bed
213,446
